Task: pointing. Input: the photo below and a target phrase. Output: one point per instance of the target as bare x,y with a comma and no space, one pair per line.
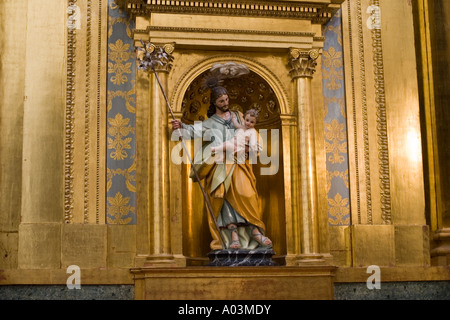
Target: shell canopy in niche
249,91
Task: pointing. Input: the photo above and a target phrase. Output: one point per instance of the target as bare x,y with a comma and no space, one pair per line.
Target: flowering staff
149,57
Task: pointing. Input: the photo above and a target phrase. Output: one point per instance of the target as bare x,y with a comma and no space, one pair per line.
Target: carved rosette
302,63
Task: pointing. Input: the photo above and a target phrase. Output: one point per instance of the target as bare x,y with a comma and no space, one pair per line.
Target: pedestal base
240,258
235,283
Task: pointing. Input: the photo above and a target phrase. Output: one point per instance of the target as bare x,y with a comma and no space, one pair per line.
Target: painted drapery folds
121,114
335,124
121,139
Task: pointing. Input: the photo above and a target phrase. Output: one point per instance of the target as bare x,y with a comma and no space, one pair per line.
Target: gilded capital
155,57
302,63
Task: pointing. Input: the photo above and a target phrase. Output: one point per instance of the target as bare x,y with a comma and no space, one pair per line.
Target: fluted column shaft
159,156
303,67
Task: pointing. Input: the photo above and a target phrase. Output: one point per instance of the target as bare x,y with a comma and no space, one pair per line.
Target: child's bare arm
236,124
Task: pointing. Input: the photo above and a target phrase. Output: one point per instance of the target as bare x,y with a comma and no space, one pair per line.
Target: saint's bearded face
222,103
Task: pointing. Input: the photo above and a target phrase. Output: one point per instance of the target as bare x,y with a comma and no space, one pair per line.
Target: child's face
249,121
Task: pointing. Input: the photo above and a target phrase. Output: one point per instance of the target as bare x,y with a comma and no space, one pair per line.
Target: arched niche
259,90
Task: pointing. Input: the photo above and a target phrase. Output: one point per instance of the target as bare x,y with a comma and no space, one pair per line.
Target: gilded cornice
217,36
315,11
230,31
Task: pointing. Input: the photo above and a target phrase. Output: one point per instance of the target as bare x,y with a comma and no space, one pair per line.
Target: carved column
303,66
158,154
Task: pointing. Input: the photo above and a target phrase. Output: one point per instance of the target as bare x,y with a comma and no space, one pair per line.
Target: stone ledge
59,276
393,274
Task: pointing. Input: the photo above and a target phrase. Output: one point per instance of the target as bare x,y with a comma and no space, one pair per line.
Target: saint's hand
176,124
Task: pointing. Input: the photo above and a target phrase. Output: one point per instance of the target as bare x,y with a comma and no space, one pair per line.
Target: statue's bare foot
235,243
258,237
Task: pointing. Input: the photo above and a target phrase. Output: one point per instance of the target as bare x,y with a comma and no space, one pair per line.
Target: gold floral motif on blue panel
119,66
121,119
335,124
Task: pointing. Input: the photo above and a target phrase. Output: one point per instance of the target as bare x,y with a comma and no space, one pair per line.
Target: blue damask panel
335,124
121,117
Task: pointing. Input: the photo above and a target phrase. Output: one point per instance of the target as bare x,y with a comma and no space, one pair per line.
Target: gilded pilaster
291,187
385,155
43,115
432,33
62,172
84,232
12,100
43,132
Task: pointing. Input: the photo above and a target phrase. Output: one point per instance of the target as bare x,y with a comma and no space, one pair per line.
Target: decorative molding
90,126
365,122
69,123
319,38
355,130
98,113
382,134
87,110
317,12
227,31
303,63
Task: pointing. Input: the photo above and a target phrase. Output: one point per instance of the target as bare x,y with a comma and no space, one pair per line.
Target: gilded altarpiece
284,84
121,141
335,78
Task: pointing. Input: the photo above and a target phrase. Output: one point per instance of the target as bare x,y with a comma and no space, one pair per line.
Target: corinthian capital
155,57
302,63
